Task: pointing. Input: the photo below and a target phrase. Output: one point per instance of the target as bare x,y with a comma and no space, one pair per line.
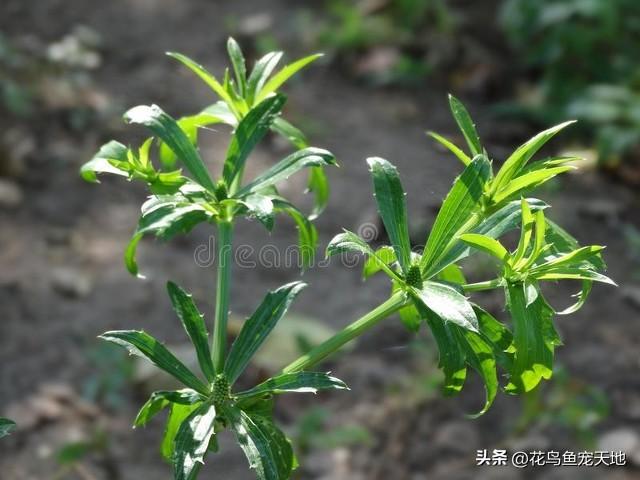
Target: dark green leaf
239,65
466,125
6,426
308,157
307,233
302,382
168,130
251,129
447,303
144,345
267,449
161,399
257,327
193,322
102,161
261,207
260,73
392,207
291,133
192,442
459,213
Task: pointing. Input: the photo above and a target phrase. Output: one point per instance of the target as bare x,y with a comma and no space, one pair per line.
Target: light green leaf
260,73
193,323
260,206
257,327
192,442
518,159
452,147
571,259
103,162
486,244
239,65
392,206
385,255
460,209
161,399
168,130
447,303
569,273
267,449
535,339
284,74
301,382
251,129
178,413
466,125
308,157
528,181
144,345
307,233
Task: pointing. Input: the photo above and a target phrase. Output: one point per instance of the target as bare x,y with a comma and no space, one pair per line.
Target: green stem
354,330
480,286
224,258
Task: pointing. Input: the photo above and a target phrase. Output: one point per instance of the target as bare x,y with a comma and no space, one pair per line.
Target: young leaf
447,303
308,157
571,259
385,255
260,73
102,161
301,382
284,74
466,125
267,449
350,242
518,159
453,148
193,322
251,129
161,399
6,426
528,181
535,339
144,345
569,273
239,65
307,233
392,206
486,244
257,327
192,442
459,209
206,77
168,130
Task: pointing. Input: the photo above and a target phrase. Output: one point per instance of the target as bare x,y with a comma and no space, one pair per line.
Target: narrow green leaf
102,162
193,323
392,206
534,338
144,345
192,442
284,74
239,65
258,326
561,241
518,159
452,147
260,73
571,259
6,426
526,232
569,273
205,76
168,130
582,295
308,157
307,232
251,129
301,382
460,209
466,125
527,182
267,449
447,303
291,133
497,335
480,356
190,125
385,255
486,244
161,399
261,207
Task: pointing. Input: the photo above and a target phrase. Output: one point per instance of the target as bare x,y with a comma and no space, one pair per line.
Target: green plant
6,426
426,287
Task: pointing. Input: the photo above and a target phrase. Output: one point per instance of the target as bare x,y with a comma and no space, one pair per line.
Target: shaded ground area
62,281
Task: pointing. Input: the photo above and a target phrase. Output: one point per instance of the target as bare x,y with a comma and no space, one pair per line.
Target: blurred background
70,68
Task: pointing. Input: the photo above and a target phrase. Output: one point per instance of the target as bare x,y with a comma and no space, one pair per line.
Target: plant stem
354,330
224,257
480,286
